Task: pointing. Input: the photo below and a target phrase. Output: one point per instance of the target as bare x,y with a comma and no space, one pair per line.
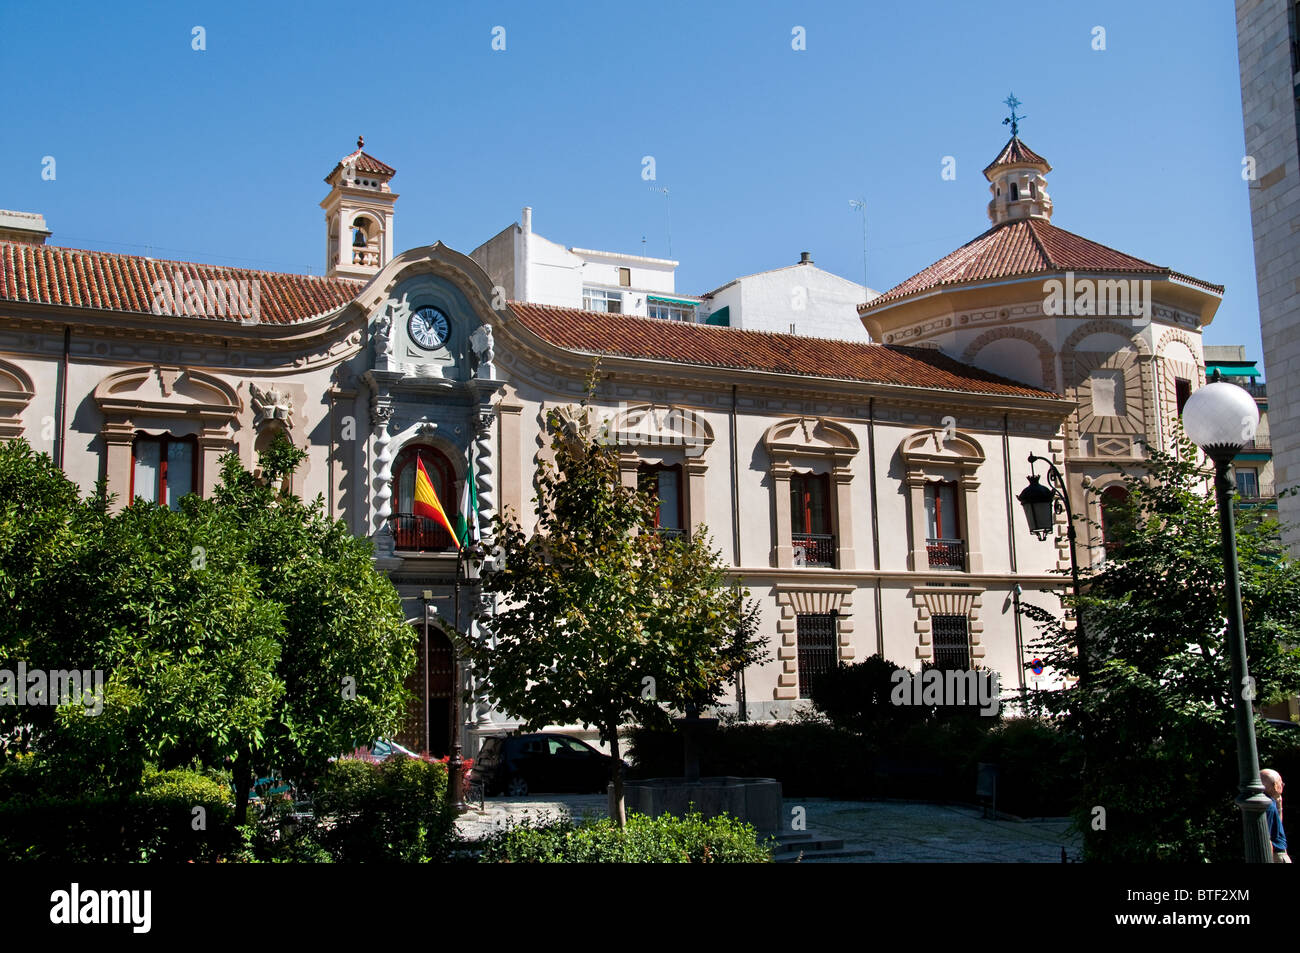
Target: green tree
1155,714
603,622
247,628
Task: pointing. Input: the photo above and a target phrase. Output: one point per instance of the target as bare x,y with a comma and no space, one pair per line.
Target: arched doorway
429,716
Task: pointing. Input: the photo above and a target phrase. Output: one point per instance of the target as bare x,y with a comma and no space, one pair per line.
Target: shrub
396,810
156,823
662,840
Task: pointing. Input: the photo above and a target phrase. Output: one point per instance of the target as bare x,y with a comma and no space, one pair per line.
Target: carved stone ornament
271,404
481,344
383,331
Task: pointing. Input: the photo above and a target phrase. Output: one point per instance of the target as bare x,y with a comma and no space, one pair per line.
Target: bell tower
358,215
1017,179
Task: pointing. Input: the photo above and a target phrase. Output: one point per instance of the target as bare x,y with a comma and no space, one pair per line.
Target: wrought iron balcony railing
419,534
947,554
670,532
813,549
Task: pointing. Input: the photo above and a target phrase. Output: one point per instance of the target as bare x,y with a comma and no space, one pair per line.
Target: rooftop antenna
668,204
1013,120
861,206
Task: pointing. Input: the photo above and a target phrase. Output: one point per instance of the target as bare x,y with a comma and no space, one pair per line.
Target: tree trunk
616,808
243,771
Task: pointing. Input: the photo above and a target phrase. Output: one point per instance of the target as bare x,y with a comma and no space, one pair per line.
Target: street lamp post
1041,504
1220,418
469,557
426,596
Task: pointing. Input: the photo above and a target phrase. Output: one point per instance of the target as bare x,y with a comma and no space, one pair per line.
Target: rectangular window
163,469
951,637
665,485
818,651
1248,484
669,312
597,299
625,277
812,543
809,513
941,511
1182,392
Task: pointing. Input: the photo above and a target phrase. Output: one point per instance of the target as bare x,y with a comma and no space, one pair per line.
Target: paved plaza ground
874,831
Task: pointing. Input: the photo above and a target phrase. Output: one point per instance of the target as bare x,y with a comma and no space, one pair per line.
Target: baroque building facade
864,492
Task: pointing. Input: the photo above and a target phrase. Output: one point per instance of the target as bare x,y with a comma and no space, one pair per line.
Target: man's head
1272,782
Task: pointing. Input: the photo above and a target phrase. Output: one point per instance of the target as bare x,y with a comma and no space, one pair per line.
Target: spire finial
361,142
1013,120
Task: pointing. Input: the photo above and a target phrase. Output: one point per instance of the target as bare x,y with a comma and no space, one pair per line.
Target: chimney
805,258
23,227
523,265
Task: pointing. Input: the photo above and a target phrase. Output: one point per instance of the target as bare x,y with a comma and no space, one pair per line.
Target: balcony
948,555
1261,492
419,534
813,549
669,533
1258,391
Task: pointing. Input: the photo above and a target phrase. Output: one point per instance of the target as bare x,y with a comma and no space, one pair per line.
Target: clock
429,328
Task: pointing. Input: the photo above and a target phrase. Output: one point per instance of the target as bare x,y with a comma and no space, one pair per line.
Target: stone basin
754,800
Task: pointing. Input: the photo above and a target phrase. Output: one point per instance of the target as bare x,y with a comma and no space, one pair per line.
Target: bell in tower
358,215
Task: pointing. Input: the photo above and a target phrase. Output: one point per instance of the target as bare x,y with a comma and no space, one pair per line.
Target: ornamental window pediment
16,392
165,402
660,425
811,481
941,468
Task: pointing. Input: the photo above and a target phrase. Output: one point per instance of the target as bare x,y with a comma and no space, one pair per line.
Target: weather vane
1013,120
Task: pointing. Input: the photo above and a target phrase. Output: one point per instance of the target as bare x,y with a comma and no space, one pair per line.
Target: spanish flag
427,503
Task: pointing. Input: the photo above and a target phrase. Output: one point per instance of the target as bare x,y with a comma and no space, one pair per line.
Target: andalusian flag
467,519
427,503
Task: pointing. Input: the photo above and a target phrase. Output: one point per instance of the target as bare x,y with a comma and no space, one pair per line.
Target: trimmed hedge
661,840
157,823
936,761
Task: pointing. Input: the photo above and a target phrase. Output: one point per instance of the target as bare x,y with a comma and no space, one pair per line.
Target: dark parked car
541,763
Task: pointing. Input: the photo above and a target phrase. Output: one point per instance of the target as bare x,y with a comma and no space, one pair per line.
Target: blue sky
219,155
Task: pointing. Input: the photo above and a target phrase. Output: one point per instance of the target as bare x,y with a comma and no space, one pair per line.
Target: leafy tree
1155,714
246,628
603,622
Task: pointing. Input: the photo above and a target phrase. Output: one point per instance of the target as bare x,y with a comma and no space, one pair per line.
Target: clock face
429,328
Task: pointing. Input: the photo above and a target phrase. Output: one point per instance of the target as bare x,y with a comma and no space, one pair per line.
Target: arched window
1015,191
360,238
418,532
1112,528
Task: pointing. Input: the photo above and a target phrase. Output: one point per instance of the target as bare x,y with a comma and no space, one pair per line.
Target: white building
528,267
797,299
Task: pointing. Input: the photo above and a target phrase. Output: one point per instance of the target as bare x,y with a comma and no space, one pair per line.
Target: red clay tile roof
364,162
594,332
49,274
1016,152
1022,248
